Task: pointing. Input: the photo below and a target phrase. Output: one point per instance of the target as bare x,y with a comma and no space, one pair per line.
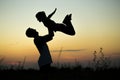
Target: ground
77,73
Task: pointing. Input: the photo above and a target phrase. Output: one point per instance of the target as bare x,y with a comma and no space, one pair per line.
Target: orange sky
97,24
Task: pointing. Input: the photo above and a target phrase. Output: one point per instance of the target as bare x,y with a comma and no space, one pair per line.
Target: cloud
68,50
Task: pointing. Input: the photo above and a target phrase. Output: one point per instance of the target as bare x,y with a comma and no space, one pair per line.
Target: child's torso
49,23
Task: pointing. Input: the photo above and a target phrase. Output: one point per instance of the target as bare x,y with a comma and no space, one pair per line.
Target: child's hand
55,9
50,15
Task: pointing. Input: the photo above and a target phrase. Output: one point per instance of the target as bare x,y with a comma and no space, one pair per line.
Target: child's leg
70,27
67,27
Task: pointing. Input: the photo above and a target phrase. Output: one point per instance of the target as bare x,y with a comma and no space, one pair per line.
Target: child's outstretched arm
50,15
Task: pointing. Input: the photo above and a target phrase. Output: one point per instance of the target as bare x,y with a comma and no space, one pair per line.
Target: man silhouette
45,59
65,27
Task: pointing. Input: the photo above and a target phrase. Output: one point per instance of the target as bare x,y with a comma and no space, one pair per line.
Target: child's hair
31,32
40,14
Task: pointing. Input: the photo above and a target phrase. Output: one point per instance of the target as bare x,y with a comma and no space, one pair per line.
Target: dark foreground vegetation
99,69
77,73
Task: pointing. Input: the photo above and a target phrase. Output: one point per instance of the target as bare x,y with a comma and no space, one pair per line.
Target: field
77,73
100,70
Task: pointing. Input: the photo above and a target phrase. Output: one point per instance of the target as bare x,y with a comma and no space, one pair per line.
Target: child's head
40,16
31,33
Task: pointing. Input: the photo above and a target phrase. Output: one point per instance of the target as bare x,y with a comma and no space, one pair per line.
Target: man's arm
51,33
50,15
49,36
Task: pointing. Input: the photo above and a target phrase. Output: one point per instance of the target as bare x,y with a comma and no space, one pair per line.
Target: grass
76,73
100,70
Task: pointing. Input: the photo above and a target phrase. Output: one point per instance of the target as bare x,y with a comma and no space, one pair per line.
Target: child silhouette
65,27
41,43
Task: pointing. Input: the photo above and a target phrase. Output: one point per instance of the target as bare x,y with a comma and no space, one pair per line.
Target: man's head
31,33
41,16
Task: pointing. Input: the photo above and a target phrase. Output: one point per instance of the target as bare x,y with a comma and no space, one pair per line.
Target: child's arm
50,15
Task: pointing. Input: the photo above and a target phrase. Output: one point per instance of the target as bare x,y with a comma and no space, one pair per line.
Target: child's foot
67,18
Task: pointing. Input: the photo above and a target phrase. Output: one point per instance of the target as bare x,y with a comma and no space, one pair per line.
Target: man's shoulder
39,39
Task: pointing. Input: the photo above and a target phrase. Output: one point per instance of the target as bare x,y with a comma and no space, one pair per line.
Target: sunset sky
96,22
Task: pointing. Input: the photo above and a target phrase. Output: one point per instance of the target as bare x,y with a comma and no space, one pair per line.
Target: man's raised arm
49,36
